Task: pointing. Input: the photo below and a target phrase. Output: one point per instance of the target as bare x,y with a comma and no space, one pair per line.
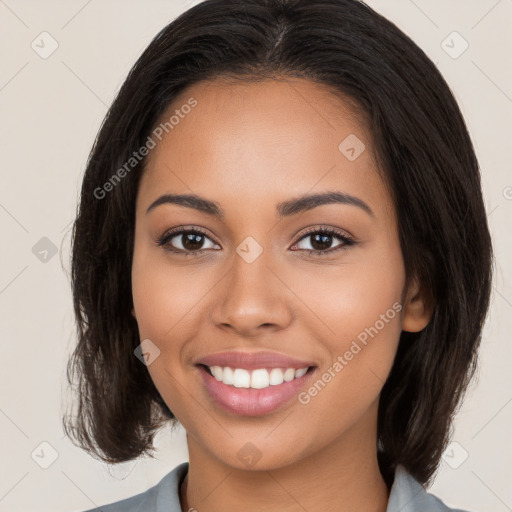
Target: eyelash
346,239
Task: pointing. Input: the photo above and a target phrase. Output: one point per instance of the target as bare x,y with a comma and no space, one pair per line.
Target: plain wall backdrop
61,66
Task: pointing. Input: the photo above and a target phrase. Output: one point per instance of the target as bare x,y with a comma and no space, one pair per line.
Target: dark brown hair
423,148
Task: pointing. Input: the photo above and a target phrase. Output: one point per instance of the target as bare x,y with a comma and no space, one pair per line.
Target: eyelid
346,239
326,229
186,227
170,233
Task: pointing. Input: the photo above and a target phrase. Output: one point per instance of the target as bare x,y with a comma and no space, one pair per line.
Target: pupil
192,241
324,239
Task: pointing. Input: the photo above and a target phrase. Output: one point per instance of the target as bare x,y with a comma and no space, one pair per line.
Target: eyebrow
284,209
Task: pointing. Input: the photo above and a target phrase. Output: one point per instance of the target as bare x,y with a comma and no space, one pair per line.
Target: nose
251,300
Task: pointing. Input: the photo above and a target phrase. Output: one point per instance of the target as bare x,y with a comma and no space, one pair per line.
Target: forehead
290,108
256,140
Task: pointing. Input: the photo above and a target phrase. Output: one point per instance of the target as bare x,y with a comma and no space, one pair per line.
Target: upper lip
253,360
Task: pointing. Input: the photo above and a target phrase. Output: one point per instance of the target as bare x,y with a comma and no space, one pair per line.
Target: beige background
50,112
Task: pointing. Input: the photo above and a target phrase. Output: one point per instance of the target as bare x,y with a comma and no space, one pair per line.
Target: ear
417,308
133,313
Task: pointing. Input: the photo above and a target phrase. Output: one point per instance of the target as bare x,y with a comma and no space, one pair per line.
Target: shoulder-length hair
423,149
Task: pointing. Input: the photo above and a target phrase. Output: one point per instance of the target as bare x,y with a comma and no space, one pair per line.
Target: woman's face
256,300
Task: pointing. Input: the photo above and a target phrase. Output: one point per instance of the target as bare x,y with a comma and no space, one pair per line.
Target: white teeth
241,378
259,379
217,372
227,376
289,374
300,372
276,376
256,379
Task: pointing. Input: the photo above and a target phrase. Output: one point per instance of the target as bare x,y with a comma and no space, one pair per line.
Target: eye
186,241
319,240
195,241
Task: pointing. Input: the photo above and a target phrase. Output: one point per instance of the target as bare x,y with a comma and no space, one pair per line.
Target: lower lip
249,401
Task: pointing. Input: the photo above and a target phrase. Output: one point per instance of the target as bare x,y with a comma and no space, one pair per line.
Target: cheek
358,305
164,305
165,296
346,299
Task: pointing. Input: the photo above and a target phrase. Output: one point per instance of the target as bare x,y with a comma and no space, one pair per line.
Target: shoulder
408,495
162,497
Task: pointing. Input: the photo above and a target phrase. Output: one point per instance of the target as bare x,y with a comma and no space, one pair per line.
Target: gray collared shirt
407,495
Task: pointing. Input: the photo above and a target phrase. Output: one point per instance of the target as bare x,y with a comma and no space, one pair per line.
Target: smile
256,392
260,378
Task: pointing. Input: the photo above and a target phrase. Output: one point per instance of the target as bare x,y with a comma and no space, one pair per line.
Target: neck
343,475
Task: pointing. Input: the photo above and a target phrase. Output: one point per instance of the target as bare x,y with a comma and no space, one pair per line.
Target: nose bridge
250,269
252,296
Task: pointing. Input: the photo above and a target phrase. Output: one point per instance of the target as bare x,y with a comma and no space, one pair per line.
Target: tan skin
249,146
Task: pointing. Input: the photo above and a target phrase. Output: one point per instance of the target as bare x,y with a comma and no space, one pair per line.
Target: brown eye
320,241
190,241
186,241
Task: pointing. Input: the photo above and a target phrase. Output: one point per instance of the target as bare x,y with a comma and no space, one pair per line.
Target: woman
281,243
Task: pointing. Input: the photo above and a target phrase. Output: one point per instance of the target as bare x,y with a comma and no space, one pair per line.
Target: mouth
260,378
248,390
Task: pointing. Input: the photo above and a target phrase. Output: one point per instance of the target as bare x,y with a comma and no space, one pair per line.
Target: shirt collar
408,495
